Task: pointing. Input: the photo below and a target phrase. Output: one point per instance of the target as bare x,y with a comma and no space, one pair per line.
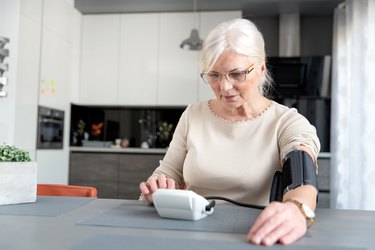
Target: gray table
85,223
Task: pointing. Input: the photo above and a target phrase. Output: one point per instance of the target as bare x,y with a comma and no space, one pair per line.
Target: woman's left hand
278,222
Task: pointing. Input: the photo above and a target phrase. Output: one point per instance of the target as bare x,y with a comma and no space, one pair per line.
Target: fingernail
256,240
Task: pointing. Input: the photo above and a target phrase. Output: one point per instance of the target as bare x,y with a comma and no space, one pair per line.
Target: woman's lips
230,97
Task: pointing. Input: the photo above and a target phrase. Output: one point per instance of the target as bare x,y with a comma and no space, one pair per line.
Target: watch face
309,212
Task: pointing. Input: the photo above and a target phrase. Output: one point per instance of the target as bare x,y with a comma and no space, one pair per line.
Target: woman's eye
214,76
236,75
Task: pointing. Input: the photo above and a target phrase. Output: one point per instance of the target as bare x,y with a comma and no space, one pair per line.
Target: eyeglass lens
234,77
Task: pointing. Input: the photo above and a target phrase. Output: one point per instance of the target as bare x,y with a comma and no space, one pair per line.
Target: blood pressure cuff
298,170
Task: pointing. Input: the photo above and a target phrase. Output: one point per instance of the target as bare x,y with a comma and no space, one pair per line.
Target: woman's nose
225,84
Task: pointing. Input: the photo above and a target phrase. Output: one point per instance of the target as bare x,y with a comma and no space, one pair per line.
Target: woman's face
230,94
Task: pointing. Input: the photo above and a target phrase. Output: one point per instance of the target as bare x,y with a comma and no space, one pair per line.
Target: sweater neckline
261,114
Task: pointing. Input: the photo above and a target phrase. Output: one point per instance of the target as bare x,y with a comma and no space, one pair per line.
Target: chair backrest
65,190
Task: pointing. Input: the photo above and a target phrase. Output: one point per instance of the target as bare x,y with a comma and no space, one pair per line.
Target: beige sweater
236,160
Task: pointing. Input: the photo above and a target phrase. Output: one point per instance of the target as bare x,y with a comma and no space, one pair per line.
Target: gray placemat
49,206
238,220
121,242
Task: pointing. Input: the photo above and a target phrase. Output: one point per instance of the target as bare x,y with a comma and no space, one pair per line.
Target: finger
162,181
148,199
284,224
152,184
146,193
271,218
171,184
280,231
269,211
144,188
291,237
266,233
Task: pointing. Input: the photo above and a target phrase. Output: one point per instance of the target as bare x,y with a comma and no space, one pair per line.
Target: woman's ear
263,67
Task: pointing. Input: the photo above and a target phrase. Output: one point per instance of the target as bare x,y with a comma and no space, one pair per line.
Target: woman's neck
246,111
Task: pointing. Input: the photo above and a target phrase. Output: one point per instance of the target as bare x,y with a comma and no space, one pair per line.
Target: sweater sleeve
172,164
296,130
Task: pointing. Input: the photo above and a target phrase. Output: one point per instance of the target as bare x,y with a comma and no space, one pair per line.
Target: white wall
44,45
9,19
59,69
28,67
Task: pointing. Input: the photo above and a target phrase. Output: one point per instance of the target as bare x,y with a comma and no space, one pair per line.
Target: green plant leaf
13,154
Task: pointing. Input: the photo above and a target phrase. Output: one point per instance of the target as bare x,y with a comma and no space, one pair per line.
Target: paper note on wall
48,86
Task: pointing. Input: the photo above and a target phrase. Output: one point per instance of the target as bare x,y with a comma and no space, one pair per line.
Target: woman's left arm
284,222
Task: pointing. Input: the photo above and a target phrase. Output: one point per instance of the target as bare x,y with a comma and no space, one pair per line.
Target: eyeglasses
234,77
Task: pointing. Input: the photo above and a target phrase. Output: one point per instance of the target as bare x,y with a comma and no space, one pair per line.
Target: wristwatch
305,210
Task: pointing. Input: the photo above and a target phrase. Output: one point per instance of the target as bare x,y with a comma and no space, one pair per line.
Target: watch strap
309,220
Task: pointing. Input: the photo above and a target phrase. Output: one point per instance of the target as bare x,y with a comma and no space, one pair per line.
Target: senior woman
232,145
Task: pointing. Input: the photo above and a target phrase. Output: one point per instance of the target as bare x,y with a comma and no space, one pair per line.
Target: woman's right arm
169,174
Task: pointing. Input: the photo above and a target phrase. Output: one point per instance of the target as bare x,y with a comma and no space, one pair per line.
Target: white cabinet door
99,59
55,72
136,59
138,69
56,60
178,68
208,20
58,17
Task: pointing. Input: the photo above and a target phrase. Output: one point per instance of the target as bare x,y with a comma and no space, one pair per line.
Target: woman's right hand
153,183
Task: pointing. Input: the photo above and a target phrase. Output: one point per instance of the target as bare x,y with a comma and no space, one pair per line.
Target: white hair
242,37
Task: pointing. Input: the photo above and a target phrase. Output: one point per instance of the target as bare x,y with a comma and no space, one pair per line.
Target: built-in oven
50,128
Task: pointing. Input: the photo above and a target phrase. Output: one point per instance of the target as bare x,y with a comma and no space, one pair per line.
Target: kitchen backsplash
136,126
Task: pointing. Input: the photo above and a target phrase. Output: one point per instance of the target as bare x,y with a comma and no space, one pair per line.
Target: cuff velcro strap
298,170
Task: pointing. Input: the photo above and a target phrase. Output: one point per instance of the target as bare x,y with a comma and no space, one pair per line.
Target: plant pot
18,182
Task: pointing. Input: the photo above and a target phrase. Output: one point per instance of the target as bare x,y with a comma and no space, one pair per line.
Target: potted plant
18,176
164,133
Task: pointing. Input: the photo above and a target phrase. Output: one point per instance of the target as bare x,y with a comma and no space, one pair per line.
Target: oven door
50,129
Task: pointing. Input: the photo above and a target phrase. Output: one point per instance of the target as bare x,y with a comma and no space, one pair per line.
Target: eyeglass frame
245,72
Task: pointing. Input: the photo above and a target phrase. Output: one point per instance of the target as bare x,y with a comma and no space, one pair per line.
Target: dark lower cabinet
135,168
113,175
118,175
324,182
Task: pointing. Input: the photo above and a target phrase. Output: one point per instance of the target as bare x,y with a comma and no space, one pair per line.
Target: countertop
119,150
322,155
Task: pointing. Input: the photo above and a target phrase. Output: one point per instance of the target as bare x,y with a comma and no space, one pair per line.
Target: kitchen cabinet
133,169
95,170
114,175
118,174
56,54
138,63
57,58
324,182
178,68
135,59
99,59
55,79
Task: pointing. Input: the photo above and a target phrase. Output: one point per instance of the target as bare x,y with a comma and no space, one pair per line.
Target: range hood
289,35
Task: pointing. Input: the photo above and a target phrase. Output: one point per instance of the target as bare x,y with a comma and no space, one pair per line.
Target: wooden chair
65,190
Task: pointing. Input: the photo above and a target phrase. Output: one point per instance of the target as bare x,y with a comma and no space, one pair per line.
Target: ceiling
248,7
